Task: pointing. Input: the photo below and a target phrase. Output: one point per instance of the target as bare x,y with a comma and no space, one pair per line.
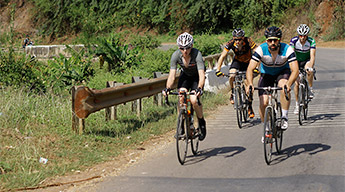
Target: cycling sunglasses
272,40
185,48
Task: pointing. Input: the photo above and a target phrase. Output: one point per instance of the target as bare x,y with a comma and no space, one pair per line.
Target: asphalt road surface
232,159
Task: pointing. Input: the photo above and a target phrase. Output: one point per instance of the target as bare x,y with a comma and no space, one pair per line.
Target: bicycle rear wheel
279,133
268,134
238,106
301,102
181,137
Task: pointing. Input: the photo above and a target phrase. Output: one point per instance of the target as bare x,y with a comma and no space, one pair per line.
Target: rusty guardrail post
136,105
158,99
78,124
111,112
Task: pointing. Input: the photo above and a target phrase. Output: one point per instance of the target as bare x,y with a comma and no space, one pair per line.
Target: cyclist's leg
285,104
183,85
235,66
251,113
264,81
310,78
198,109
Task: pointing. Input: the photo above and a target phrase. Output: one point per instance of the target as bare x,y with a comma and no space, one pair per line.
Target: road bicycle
303,95
186,132
241,100
272,122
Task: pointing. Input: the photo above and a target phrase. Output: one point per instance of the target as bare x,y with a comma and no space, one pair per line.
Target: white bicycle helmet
303,29
238,32
185,40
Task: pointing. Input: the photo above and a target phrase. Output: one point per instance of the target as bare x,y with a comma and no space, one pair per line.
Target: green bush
62,72
207,44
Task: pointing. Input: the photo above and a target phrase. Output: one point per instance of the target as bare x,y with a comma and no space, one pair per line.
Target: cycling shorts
240,66
269,80
188,82
301,64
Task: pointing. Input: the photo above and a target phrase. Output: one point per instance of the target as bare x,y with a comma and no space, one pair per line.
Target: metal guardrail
86,101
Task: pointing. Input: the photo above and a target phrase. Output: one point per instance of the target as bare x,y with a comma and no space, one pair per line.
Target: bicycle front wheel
181,137
268,134
301,102
278,132
238,106
245,104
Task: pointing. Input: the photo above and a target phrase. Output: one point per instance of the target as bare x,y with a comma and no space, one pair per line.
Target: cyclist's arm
171,78
312,58
201,78
294,73
249,74
221,59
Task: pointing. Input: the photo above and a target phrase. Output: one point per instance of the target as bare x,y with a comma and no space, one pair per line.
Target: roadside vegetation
35,99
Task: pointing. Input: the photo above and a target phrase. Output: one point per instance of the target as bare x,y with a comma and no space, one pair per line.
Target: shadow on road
318,117
311,149
220,151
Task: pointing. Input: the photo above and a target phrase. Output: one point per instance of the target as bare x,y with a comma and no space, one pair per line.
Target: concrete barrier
50,51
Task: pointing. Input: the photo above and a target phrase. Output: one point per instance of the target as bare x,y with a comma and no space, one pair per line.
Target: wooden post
158,98
78,125
111,112
136,105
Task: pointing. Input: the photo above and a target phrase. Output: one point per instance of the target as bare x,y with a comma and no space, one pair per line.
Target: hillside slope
320,22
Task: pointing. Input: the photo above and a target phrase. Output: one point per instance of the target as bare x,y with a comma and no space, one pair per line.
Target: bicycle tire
268,135
301,103
279,133
238,107
245,104
181,137
306,100
194,141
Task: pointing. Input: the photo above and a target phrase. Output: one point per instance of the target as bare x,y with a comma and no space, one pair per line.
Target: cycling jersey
196,62
268,66
244,54
302,51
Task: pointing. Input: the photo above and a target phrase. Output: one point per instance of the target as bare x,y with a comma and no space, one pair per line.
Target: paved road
231,159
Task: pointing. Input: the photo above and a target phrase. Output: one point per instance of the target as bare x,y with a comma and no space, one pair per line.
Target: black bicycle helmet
273,32
238,32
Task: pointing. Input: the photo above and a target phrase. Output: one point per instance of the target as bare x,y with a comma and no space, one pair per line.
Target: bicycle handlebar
180,93
271,89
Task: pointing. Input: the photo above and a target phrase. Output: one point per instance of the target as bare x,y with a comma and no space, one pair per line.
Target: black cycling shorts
301,64
188,82
241,66
269,80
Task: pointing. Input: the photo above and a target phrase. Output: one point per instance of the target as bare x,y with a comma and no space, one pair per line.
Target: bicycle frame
185,128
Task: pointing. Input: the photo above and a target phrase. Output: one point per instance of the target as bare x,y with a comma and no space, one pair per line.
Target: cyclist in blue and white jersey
277,63
305,49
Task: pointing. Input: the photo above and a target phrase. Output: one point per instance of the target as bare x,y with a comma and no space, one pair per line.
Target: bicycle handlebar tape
286,93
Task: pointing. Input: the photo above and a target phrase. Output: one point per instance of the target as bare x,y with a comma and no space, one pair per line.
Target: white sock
297,103
285,113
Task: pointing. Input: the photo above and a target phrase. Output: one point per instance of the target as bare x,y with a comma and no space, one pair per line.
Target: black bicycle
303,95
185,131
272,122
241,99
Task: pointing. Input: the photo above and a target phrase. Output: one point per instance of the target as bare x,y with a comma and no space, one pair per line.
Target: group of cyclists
277,62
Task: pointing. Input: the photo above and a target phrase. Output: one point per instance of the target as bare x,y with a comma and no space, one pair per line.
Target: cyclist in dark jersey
192,77
242,47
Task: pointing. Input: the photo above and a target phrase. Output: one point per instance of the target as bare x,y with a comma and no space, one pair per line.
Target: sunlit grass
34,126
